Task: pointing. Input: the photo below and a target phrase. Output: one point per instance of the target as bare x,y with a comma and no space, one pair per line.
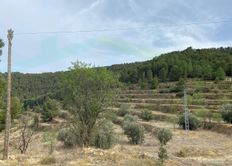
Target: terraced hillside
203,97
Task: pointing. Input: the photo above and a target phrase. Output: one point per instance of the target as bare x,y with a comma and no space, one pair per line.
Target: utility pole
186,111
8,111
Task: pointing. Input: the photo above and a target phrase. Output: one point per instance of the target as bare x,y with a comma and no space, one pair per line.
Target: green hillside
206,64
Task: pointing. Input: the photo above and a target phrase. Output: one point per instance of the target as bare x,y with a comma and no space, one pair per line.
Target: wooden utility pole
8,111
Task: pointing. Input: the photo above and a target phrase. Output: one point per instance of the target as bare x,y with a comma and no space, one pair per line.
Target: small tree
155,83
163,154
134,132
49,110
219,74
50,139
28,127
226,113
180,85
146,115
88,91
164,135
16,108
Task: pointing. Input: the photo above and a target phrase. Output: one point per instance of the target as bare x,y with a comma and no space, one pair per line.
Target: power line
122,29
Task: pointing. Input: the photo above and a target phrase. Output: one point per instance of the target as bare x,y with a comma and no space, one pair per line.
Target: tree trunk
8,111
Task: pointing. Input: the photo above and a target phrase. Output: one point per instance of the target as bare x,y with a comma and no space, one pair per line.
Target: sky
55,52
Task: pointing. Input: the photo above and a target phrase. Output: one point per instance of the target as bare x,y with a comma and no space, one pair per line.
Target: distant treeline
207,64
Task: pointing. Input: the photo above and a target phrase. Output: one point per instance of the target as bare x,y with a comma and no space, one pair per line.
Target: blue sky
55,52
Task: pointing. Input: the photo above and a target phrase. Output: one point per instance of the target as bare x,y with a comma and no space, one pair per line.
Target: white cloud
38,15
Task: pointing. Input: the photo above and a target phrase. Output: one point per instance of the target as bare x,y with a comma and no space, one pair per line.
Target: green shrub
123,110
69,137
154,83
193,122
129,119
163,154
226,113
143,84
164,135
104,136
179,87
50,110
146,115
134,132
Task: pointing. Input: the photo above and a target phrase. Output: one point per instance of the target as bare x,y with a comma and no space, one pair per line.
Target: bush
104,136
193,122
134,132
146,115
123,110
48,160
163,154
64,115
154,83
226,113
129,119
179,87
49,110
69,138
164,135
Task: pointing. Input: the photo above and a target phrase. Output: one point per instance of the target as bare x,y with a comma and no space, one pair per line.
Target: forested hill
27,86
207,64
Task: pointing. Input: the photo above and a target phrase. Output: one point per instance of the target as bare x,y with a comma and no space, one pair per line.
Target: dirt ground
191,148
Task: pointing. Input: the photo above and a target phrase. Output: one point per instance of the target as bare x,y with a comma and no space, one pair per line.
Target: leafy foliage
192,63
49,110
123,110
164,135
226,113
104,136
134,132
88,91
163,154
146,115
69,137
132,129
193,122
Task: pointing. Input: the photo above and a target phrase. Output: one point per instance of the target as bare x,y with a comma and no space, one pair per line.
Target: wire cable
123,29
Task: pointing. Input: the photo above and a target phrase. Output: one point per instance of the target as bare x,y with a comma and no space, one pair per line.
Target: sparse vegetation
49,160
27,127
50,139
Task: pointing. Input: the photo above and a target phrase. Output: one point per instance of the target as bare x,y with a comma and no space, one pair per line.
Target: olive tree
87,91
